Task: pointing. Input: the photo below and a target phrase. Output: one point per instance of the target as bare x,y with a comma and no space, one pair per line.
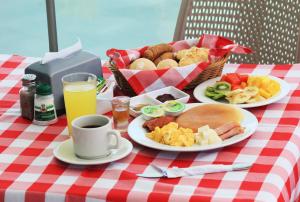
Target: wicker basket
212,71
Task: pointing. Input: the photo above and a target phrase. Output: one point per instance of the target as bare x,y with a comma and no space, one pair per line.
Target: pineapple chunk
265,82
251,80
256,82
267,87
264,93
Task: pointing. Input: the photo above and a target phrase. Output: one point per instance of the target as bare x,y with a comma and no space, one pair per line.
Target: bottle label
44,110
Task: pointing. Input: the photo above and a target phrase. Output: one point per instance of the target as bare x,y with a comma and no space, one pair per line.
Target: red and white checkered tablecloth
29,172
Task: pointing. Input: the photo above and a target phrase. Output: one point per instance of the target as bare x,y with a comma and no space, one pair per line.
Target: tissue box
52,72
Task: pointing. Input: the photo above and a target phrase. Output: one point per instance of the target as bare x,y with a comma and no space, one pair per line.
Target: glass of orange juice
79,95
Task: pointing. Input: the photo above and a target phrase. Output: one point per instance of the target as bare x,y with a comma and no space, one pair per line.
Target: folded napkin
174,172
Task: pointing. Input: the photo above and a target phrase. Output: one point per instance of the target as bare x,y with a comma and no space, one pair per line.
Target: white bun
167,63
142,64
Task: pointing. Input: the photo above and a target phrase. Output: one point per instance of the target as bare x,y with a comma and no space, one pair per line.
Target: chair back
270,28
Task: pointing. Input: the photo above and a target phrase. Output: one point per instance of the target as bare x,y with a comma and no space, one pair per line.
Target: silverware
155,171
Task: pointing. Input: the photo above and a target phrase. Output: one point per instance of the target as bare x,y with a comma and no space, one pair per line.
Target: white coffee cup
92,135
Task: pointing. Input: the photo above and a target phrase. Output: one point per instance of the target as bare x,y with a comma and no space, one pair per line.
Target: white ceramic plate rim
138,134
200,89
117,155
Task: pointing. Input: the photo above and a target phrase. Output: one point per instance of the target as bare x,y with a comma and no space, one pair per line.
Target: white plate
138,134
199,93
64,152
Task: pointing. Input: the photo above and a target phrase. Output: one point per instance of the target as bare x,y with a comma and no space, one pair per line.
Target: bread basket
134,82
212,71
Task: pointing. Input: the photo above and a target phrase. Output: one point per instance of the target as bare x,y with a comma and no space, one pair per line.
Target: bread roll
181,54
192,56
166,55
167,63
142,64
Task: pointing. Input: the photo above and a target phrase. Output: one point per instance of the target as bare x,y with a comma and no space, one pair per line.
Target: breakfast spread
241,89
202,125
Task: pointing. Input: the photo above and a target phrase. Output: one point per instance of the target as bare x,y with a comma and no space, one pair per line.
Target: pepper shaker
27,96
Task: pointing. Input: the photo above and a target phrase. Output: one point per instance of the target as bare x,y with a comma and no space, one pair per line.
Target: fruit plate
138,134
199,93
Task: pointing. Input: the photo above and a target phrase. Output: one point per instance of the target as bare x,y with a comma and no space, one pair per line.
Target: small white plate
178,94
65,153
199,93
141,99
138,134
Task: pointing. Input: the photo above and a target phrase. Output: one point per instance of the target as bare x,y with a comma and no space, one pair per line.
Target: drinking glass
79,95
120,109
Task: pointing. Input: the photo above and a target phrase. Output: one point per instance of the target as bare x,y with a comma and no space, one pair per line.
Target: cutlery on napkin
155,171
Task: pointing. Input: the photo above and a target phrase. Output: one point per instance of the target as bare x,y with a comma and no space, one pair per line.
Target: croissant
154,52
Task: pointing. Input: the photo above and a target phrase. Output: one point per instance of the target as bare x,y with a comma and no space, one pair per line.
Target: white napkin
50,56
174,172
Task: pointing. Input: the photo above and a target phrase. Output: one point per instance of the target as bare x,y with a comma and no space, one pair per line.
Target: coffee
92,136
91,126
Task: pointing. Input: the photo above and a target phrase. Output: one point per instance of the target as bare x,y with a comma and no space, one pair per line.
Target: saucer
64,152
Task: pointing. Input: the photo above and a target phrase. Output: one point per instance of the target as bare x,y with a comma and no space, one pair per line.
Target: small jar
27,96
44,108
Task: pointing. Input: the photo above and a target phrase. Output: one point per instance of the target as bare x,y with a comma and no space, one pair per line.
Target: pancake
213,115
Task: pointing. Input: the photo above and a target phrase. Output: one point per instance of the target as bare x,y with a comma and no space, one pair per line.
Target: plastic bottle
44,108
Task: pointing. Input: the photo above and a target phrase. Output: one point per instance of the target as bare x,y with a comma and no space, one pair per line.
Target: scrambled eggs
172,134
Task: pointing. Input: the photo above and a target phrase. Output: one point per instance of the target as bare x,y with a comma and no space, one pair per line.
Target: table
29,172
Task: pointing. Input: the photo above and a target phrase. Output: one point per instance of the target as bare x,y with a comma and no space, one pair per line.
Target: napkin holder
53,71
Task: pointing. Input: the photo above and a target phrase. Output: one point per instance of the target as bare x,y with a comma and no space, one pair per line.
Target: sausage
158,122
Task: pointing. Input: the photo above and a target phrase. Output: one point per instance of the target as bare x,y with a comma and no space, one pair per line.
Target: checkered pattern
29,172
145,81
